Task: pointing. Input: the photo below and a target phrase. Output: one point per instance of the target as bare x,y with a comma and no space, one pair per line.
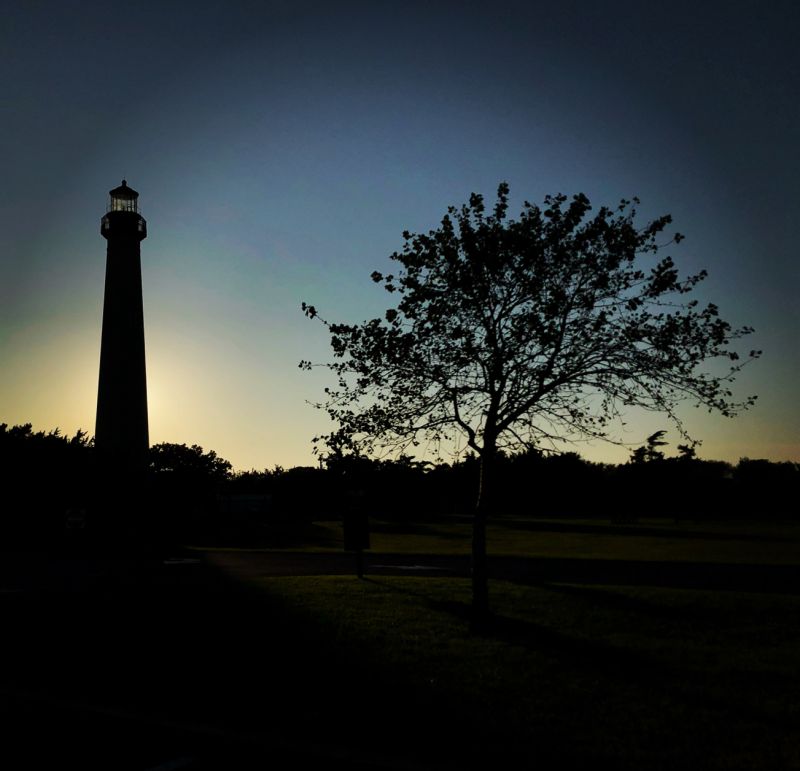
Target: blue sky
281,149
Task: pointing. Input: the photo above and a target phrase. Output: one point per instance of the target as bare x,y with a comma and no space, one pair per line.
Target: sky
280,150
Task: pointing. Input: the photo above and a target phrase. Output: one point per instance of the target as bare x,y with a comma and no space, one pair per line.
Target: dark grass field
639,677
190,665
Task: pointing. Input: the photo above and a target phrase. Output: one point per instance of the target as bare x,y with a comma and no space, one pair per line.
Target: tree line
49,482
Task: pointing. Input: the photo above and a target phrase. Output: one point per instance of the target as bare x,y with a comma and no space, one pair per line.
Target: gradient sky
281,148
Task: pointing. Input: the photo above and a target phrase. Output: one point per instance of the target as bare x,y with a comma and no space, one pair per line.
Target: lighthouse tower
121,432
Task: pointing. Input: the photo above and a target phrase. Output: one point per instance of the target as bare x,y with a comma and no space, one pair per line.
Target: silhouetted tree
43,476
189,462
649,452
519,333
765,488
184,483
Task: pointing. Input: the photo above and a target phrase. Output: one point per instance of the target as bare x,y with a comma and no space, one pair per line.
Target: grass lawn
730,542
640,677
188,660
636,677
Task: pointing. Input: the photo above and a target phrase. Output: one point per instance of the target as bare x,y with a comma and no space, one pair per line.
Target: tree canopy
527,332
188,462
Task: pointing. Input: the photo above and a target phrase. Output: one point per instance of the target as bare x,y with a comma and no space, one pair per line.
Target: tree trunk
480,566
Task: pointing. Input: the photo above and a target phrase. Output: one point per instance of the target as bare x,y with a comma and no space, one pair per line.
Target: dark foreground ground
166,665
117,663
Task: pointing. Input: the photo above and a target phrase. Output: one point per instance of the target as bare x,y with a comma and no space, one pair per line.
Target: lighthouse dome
123,198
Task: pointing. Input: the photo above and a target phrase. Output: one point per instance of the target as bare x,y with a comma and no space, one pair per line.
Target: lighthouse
121,430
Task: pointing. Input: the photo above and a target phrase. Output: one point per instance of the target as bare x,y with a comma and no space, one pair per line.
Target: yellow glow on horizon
254,413
52,382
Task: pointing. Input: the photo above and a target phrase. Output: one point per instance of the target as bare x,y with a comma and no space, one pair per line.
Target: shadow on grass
460,610
713,576
646,530
277,535
192,646
661,655
625,603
